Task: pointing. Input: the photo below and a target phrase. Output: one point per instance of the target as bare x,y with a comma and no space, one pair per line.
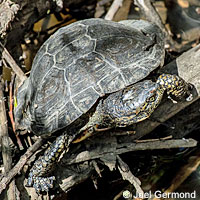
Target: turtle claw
41,183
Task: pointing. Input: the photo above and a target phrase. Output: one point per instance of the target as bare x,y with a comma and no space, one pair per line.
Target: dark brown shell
82,62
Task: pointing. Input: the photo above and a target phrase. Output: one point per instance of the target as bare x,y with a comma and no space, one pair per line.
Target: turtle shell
82,62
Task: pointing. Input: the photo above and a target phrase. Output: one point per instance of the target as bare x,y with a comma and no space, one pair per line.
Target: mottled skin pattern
91,62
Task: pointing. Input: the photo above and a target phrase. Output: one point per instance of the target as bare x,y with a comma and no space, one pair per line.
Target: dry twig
8,10
6,150
113,9
127,175
17,168
151,14
6,55
105,148
11,103
11,112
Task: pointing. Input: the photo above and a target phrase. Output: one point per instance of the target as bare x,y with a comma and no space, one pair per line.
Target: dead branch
105,149
11,112
113,9
123,11
8,10
11,102
6,150
185,122
9,59
17,168
28,12
127,175
151,14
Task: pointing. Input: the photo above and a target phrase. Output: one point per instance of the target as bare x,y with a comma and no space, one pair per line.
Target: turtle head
174,85
21,110
151,97
143,98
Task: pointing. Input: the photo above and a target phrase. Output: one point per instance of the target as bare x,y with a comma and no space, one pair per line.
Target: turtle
87,77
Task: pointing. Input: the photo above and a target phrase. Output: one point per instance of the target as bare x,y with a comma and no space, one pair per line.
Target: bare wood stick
74,178
11,103
107,154
6,151
17,168
4,132
151,14
123,11
8,10
127,175
11,194
9,59
102,151
153,140
11,113
113,9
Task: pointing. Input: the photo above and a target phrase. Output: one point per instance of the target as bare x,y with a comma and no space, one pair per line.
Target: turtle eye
152,99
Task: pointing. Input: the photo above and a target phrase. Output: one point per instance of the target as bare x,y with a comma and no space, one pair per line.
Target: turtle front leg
44,165
175,86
